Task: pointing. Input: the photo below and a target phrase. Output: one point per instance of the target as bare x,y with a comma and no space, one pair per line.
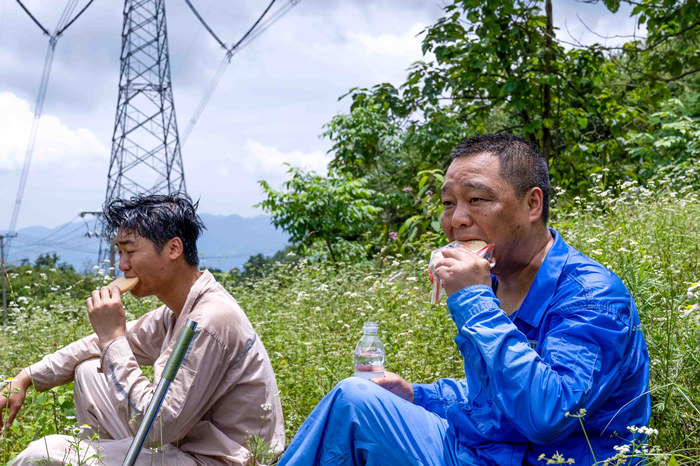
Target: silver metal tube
171,368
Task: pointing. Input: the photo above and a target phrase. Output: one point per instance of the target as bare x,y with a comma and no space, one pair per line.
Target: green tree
500,66
46,260
335,211
369,143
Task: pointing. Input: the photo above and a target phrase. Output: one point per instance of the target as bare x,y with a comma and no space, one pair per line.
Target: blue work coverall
575,343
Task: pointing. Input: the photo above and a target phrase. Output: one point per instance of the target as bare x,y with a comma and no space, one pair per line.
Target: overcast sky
269,107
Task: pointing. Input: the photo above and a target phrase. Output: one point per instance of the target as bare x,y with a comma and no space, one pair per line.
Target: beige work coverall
224,393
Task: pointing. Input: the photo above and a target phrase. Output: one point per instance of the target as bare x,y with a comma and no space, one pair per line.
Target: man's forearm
58,368
23,380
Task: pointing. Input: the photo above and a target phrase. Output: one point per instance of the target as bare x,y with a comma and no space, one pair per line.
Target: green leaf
422,182
613,5
510,86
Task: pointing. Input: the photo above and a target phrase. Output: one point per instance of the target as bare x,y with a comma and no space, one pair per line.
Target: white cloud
57,146
405,46
266,161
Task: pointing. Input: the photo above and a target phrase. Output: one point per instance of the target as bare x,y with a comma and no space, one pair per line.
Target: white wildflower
624,449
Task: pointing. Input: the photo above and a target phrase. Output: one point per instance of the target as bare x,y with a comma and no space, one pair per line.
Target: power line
60,238
224,256
64,238
190,44
254,32
252,28
45,249
63,23
54,232
206,26
69,240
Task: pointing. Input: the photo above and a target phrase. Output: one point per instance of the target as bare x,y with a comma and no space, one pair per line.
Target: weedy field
310,316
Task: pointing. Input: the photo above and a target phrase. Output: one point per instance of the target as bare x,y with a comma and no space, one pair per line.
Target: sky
269,108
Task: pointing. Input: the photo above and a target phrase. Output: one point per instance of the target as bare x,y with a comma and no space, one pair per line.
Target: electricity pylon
146,156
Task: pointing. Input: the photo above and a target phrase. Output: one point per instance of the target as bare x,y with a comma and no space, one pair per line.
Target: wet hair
522,163
158,218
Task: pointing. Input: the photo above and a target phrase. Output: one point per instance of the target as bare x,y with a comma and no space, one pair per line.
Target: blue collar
545,283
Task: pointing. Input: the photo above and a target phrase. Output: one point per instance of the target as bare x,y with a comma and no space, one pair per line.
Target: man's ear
174,248
535,203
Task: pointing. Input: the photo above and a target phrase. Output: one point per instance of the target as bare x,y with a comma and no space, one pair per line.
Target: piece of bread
124,284
474,244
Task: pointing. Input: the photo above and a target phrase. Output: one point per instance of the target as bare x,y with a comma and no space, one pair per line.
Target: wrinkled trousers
92,408
360,423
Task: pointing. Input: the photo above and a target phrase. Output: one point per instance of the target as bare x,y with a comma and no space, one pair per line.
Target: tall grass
310,315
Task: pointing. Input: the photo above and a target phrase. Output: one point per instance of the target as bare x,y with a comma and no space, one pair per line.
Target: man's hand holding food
460,267
106,313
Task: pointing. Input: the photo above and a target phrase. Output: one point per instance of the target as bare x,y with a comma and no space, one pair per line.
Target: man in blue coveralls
545,333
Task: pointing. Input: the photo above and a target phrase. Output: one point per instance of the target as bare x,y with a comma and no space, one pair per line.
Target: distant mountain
230,240
227,242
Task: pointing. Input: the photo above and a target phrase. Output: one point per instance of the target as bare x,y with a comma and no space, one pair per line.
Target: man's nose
462,217
123,264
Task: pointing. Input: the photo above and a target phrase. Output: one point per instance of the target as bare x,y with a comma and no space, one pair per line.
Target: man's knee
359,393
46,450
87,369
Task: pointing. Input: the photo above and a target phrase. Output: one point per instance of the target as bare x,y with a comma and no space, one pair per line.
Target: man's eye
475,199
447,203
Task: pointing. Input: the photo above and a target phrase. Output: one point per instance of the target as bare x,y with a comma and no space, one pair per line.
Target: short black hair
522,163
158,218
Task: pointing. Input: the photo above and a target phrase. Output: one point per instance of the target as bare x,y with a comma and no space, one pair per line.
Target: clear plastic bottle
369,353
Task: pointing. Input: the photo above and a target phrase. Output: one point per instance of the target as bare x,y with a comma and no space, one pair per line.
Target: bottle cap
370,327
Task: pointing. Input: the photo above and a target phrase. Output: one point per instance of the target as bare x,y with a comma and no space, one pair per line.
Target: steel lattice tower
145,146
146,156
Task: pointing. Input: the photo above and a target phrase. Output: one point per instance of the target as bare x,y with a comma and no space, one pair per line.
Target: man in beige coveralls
225,391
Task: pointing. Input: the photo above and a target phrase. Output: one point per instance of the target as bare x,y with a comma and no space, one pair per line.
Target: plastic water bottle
369,353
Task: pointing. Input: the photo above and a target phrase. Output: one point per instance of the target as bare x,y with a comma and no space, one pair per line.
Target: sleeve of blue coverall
578,367
437,397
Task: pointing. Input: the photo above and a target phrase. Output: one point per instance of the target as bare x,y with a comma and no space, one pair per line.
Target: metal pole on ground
168,375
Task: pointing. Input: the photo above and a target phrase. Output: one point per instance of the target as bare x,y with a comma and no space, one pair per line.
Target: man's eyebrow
471,185
479,187
125,242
